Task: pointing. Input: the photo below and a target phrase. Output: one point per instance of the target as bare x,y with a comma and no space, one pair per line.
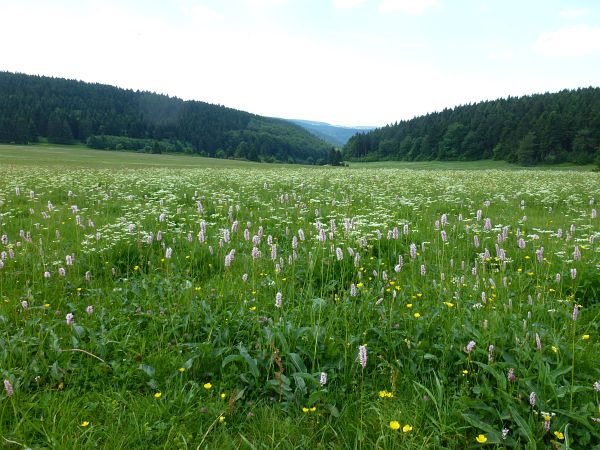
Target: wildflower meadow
279,307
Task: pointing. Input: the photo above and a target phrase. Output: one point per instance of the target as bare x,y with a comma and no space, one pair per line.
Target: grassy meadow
159,301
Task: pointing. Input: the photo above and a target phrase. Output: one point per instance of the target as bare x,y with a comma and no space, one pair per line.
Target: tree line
548,128
66,111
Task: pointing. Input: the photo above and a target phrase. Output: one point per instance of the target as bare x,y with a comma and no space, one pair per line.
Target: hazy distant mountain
334,134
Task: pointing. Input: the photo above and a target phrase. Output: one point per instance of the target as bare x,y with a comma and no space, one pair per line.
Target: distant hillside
64,111
333,134
542,128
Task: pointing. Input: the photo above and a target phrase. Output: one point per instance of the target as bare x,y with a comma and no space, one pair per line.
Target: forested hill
66,111
541,128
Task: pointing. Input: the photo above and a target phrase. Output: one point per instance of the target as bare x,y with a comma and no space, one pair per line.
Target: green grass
179,335
74,156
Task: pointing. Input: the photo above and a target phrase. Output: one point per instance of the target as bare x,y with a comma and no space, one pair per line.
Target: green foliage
104,142
545,128
58,129
335,158
528,150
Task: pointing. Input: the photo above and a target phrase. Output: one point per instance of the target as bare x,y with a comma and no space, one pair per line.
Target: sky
345,62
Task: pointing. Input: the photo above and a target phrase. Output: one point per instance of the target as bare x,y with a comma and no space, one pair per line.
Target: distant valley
549,128
335,135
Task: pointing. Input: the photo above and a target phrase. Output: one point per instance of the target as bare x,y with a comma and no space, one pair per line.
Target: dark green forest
66,111
535,129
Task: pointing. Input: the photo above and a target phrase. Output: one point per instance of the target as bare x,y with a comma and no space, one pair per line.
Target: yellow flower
394,425
559,435
530,274
253,308
554,349
136,267
409,305
157,395
223,395
585,337
481,439
85,423
406,428
359,285
304,409
313,409
221,418
181,369
416,315
465,372
519,270
207,386
46,305
448,304
384,394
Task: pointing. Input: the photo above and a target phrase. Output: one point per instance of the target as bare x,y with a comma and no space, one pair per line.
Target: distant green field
81,156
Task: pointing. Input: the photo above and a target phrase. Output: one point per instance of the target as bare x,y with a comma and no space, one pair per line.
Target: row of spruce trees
67,111
544,128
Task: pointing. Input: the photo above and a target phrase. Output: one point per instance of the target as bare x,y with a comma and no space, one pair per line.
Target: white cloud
414,7
577,41
265,3
501,55
203,13
345,4
574,13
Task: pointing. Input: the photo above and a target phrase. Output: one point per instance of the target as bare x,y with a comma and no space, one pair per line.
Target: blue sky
348,62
